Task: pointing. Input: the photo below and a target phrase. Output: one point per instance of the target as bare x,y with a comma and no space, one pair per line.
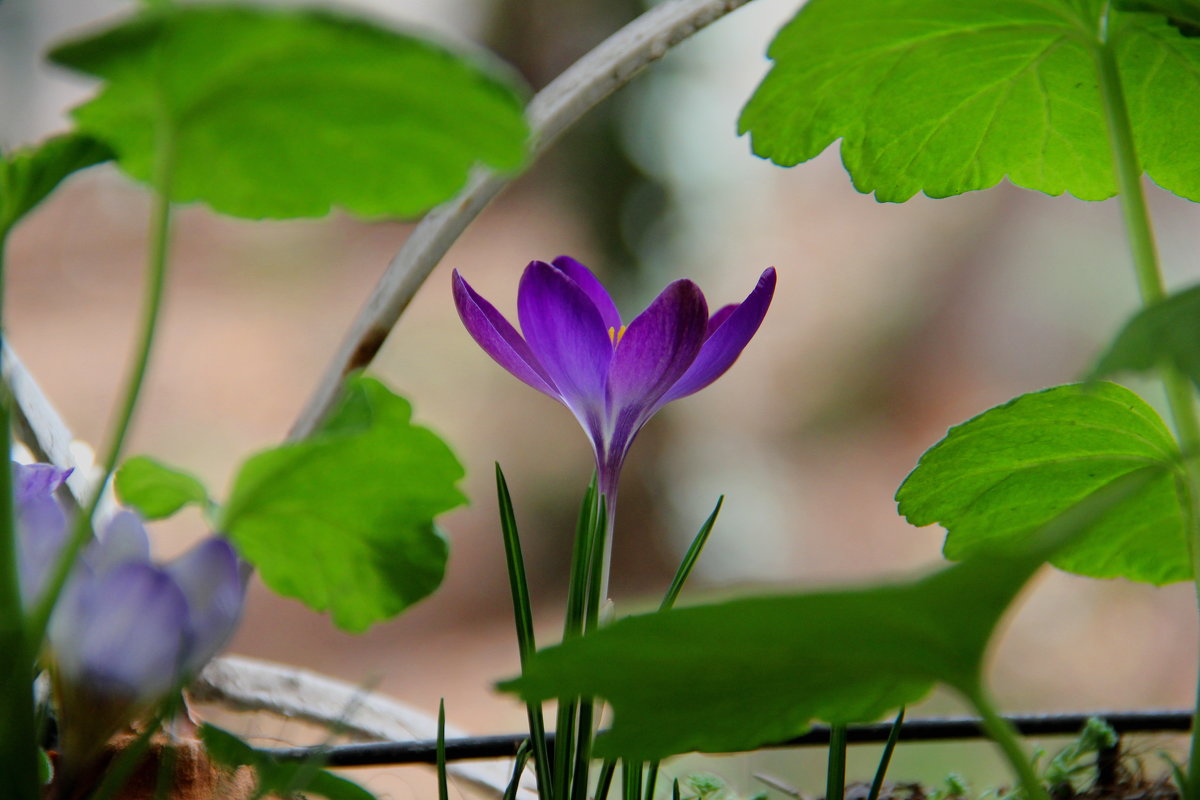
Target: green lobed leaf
1165,331
945,97
29,175
344,520
285,113
1020,464
279,777
156,490
744,673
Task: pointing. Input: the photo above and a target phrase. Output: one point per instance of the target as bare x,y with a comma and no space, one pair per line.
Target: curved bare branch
608,67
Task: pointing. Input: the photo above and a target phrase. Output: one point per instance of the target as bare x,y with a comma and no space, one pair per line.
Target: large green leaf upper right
1018,465
945,96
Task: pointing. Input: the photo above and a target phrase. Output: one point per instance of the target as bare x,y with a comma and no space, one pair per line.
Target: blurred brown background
891,323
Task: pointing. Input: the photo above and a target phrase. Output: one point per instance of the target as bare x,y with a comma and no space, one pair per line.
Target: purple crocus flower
126,631
612,377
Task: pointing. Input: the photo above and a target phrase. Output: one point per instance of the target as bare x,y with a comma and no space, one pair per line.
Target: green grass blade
577,602
691,557
604,780
632,772
651,780
835,776
519,761
675,795
523,615
886,758
443,785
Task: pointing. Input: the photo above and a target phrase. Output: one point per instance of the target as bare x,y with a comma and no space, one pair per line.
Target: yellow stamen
614,335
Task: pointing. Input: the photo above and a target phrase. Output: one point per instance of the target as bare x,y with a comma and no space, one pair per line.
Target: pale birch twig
246,684
608,67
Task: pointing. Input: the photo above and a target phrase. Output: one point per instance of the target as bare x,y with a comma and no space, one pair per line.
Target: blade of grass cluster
519,761
1136,216
443,784
668,602
632,772
835,774
577,596
18,726
885,758
585,728
523,615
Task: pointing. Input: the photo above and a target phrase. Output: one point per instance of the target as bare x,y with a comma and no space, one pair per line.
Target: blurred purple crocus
126,631
612,377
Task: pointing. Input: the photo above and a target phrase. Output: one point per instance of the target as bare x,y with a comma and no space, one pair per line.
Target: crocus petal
592,288
726,343
125,540
718,319
210,577
41,525
568,336
122,633
657,348
37,480
498,338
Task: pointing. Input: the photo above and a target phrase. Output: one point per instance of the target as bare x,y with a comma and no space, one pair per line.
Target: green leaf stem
945,97
285,113
344,520
1018,465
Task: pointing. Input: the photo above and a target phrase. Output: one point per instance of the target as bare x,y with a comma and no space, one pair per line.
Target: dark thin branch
918,730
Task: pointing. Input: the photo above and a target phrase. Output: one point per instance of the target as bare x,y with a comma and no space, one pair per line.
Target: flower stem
1003,734
18,725
156,273
1136,216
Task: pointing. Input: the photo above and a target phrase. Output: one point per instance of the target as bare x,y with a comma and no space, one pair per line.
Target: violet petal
726,343
210,576
124,540
568,337
657,349
592,287
123,633
498,338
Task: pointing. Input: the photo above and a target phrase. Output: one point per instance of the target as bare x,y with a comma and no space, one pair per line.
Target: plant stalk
1136,216
18,723
1003,734
156,275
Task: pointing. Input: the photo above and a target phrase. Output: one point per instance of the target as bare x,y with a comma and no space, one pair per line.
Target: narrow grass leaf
519,761
885,758
442,782
691,557
523,617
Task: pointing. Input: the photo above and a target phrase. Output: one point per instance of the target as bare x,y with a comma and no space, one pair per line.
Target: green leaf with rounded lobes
344,520
29,175
289,112
994,477
1166,331
945,97
746,673
156,490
